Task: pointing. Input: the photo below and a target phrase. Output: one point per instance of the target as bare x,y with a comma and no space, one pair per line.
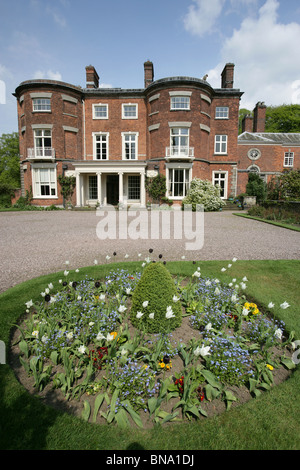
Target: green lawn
271,421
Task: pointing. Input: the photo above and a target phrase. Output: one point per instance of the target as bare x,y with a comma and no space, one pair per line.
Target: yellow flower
161,364
247,305
270,367
114,334
255,311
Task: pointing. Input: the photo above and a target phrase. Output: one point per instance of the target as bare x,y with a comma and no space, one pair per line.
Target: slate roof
279,138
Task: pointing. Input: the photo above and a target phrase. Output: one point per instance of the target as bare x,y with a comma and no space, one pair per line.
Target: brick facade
111,139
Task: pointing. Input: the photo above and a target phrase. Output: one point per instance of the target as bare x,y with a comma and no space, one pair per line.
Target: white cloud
265,53
57,17
201,17
41,74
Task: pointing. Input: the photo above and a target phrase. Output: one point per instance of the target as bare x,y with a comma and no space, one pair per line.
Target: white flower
234,298
47,291
35,334
175,298
278,333
203,351
217,291
110,337
217,281
66,272
95,261
139,255
223,270
208,282
79,297
100,336
145,304
230,284
147,260
183,257
67,262
122,308
208,327
139,315
81,349
243,285
102,296
151,315
77,270
245,311
126,256
43,294
143,265
60,281
197,274
234,260
44,338
69,335
284,305
169,313
50,285
234,279
91,323
124,352
229,266
128,290
271,305
245,279
107,257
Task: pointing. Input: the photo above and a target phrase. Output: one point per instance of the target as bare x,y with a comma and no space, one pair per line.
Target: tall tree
10,160
284,118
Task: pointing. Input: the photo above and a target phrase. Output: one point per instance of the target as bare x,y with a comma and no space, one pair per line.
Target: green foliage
203,192
285,186
68,184
156,288
284,118
10,160
156,187
256,187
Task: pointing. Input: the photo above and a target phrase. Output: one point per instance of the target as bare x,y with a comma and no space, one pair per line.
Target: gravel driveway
37,243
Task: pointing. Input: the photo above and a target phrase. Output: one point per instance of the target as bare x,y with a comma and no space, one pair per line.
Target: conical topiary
156,306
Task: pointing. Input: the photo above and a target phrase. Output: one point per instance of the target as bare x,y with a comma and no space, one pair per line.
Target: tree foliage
156,187
10,160
284,118
285,186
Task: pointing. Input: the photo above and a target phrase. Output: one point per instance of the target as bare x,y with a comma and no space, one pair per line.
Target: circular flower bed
79,344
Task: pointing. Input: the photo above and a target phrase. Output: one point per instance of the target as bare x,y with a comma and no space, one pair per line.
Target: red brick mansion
110,139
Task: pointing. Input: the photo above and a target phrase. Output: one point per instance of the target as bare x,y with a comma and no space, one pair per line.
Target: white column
142,195
78,189
121,187
99,189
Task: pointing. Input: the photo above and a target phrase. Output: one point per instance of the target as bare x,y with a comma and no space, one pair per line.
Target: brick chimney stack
148,73
227,76
259,117
92,78
247,123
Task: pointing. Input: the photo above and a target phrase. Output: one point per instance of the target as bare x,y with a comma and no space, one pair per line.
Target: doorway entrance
112,189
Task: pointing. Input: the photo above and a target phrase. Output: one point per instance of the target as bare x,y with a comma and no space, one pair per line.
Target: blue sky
57,38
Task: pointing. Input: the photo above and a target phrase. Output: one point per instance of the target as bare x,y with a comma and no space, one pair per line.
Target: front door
112,189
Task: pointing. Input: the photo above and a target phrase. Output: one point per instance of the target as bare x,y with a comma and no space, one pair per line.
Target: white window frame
288,160
134,187
134,137
215,181
221,140
37,183
222,112
100,134
42,150
180,102
179,149
103,105
129,105
171,182
41,105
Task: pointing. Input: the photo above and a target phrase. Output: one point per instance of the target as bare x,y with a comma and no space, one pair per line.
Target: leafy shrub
155,305
203,192
256,187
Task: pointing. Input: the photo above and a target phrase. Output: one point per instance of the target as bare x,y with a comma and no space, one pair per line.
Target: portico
109,183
